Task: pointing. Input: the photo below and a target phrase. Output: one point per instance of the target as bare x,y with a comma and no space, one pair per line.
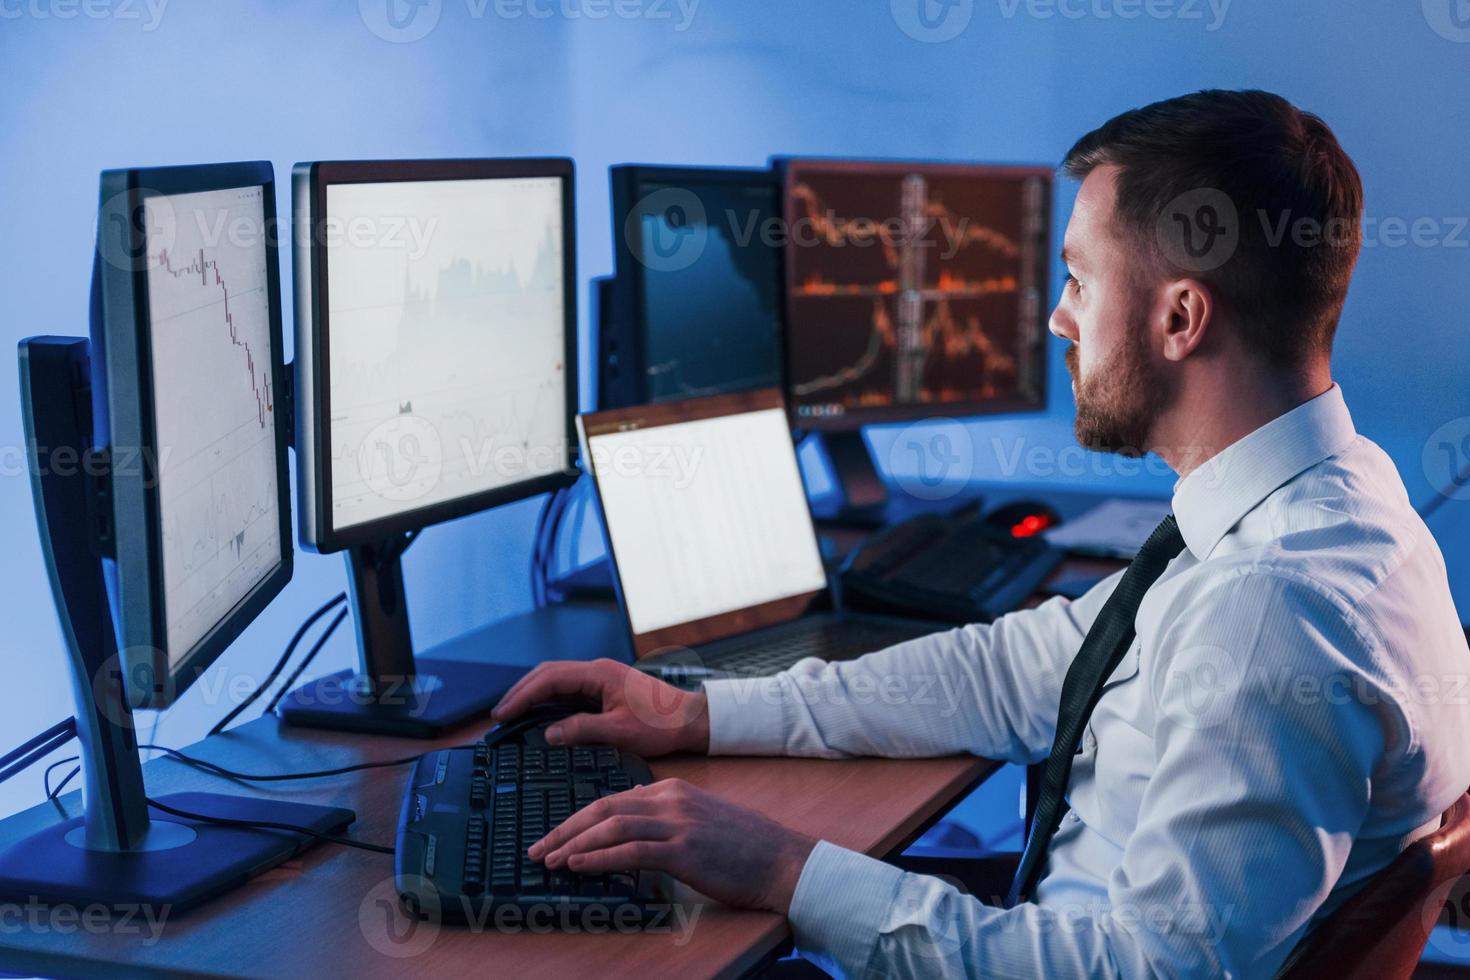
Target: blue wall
732,83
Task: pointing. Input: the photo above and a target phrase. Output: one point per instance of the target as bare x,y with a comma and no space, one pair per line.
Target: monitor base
179,864
440,695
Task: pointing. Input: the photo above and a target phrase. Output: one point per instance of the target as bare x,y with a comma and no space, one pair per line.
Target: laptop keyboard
772,651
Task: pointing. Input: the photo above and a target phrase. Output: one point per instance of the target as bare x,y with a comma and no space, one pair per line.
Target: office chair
1381,931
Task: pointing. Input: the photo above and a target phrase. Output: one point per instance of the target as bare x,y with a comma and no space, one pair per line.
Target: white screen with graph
446,343
706,517
213,405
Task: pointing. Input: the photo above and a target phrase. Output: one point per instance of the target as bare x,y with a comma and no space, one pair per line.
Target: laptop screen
706,516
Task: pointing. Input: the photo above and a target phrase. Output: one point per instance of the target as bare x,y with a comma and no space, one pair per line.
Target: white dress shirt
1292,713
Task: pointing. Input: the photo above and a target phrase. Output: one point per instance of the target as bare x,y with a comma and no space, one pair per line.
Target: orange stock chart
914,289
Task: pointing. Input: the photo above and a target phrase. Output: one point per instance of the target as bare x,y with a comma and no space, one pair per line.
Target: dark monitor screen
699,260
914,289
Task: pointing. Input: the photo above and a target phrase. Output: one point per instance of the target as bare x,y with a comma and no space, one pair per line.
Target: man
1240,729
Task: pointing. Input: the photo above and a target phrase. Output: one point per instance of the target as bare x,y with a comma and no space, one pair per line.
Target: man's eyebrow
1069,256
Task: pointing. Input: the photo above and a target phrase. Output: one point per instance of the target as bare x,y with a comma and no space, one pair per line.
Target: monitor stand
116,853
393,692
862,496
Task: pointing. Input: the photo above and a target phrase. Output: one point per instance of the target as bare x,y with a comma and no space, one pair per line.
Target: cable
556,508
218,770
285,657
537,533
36,748
540,547
205,765
306,661
579,514
52,794
272,825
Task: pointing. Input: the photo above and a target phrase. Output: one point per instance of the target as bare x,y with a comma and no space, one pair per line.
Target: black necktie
1106,642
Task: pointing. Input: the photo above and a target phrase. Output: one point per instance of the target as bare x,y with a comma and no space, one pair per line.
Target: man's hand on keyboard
727,852
639,712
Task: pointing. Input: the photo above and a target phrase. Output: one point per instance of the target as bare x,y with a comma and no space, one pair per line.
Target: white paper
1115,528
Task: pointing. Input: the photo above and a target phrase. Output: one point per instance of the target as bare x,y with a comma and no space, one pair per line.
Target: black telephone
958,568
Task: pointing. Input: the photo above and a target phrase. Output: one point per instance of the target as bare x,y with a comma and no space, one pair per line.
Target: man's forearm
991,690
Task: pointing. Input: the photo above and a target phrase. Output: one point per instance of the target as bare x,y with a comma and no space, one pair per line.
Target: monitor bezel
788,168
123,409
313,329
631,287
720,625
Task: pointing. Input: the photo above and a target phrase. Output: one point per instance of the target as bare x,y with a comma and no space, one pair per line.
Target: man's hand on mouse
639,713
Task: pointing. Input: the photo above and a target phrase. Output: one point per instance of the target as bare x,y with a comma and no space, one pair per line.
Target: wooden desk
333,911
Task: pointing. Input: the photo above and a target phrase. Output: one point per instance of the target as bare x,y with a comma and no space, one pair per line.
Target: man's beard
1120,400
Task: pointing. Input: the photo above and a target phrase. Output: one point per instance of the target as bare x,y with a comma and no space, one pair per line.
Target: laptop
714,554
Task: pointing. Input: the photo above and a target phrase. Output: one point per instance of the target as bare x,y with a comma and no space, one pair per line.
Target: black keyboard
941,567
470,813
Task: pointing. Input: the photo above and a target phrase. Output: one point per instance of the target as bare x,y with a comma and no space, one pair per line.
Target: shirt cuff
840,905
746,716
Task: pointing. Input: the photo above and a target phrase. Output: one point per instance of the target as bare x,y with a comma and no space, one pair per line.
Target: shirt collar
1213,498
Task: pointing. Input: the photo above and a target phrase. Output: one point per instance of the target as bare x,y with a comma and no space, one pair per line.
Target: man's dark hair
1297,197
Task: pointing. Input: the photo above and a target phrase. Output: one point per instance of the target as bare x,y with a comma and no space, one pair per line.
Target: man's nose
1062,325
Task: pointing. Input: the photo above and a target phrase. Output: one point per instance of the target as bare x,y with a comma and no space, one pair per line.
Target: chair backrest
1380,931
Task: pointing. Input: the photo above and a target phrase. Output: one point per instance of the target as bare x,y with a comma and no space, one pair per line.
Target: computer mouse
555,709
532,724
1024,518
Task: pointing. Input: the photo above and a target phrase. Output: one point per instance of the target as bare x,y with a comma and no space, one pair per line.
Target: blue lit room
744,489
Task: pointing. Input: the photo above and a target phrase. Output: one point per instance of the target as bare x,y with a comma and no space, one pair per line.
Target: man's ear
1186,312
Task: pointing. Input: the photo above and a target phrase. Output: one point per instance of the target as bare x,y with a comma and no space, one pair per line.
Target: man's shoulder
1345,525
1338,555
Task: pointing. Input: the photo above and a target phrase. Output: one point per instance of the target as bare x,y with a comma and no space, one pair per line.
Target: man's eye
1072,282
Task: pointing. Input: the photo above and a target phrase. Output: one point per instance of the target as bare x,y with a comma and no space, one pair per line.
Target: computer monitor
196,384
913,290
435,377
695,306
158,454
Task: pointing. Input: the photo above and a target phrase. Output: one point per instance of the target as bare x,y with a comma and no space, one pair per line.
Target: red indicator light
1029,525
